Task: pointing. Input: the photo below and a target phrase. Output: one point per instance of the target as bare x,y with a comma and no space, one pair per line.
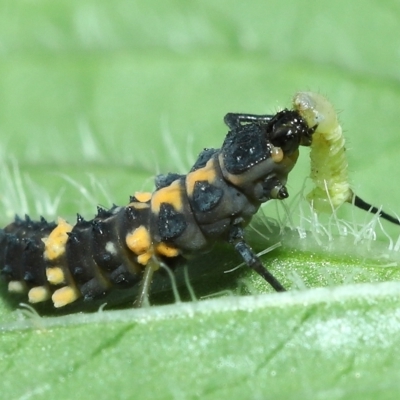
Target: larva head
316,110
258,156
287,130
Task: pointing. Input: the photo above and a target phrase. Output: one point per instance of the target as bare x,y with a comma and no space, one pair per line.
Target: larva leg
251,259
233,120
144,289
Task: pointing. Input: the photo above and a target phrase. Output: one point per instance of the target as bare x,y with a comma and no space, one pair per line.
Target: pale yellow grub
171,194
18,287
139,241
64,296
144,258
143,196
328,153
39,294
55,275
277,154
55,242
167,251
207,173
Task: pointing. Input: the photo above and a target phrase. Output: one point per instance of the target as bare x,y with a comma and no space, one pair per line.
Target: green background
97,97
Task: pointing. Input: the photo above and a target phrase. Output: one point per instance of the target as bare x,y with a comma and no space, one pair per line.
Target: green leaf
97,97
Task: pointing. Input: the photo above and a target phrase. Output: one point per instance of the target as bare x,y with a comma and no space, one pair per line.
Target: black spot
206,196
171,224
243,148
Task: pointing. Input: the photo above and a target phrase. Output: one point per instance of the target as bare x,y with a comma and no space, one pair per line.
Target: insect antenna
363,205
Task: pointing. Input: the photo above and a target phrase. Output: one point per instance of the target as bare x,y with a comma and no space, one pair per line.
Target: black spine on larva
79,253
13,267
3,244
162,180
128,219
108,245
203,158
80,262
33,262
96,252
103,232
32,259
22,250
102,213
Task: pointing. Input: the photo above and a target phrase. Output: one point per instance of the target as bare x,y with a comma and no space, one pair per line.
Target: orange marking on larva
55,276
138,241
38,294
166,250
64,296
207,173
143,197
144,258
55,242
171,194
277,154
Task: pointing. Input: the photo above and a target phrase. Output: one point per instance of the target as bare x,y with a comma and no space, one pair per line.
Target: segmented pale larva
328,157
328,153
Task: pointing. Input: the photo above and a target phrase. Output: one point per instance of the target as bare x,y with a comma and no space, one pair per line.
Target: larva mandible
122,247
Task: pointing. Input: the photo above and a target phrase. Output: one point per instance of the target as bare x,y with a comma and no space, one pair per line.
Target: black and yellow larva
122,247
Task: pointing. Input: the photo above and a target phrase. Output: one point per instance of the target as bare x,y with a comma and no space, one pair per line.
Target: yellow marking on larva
38,294
144,258
64,296
143,197
277,154
138,241
166,250
171,194
207,173
55,276
55,242
328,158
18,287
